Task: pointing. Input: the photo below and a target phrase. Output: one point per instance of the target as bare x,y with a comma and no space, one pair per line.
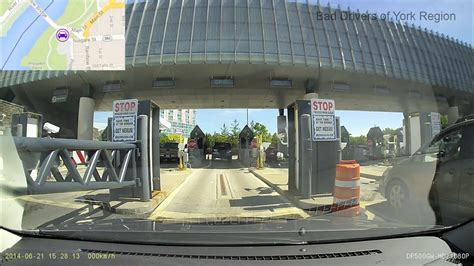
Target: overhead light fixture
164,83
382,90
281,83
222,82
60,95
341,86
112,86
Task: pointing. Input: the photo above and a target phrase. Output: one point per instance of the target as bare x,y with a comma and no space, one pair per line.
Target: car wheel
397,194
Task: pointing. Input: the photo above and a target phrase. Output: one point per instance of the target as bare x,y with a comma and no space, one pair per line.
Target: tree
235,128
222,138
261,129
360,140
252,124
234,133
391,131
167,138
444,121
224,130
275,140
164,138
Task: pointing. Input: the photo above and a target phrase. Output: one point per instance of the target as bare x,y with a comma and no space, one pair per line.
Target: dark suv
169,151
222,150
441,173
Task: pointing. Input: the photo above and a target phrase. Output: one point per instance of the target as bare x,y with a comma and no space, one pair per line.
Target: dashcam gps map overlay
62,35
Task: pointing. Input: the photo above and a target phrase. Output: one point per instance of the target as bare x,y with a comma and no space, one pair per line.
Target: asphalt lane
224,190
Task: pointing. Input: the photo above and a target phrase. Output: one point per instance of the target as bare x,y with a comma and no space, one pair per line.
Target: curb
376,177
142,211
264,180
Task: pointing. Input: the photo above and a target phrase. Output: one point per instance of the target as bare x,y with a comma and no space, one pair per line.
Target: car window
467,143
171,145
445,147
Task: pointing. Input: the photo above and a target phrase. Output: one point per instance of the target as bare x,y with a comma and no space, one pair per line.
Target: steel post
306,164
145,173
85,118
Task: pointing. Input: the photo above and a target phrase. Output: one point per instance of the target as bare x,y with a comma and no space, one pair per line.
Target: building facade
182,121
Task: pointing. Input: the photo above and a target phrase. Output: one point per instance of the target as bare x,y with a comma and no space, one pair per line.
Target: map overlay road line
21,36
65,35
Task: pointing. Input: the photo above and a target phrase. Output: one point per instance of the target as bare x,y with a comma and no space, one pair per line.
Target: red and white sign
192,144
323,120
79,157
125,107
323,107
125,120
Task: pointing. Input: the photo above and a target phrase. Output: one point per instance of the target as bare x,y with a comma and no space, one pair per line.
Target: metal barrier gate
41,158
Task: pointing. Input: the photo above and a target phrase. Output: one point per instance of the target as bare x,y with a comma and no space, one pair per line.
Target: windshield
170,145
248,118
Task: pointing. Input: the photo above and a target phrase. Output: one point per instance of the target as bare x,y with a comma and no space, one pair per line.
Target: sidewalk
373,171
277,178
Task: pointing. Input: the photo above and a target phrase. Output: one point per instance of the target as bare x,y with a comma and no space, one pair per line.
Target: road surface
224,190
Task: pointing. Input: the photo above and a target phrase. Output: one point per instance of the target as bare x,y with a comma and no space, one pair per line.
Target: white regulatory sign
125,120
435,123
323,120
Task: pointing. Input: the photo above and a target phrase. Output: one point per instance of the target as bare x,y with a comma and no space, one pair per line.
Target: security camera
50,128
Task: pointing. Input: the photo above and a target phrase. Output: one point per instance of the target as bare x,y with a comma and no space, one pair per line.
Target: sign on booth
323,120
323,107
125,120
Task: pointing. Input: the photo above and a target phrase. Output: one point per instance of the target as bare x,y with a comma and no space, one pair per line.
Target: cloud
100,125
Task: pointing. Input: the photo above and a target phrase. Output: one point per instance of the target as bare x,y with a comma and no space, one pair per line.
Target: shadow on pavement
268,207
256,201
413,215
261,190
224,164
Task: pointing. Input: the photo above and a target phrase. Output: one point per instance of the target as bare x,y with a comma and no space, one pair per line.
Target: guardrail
42,157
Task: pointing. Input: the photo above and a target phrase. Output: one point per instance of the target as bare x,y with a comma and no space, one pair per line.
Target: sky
357,123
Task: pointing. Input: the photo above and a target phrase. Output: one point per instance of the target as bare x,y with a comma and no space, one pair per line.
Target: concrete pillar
407,135
309,96
85,121
282,145
453,114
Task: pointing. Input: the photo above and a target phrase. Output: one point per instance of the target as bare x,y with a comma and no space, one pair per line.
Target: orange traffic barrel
347,188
